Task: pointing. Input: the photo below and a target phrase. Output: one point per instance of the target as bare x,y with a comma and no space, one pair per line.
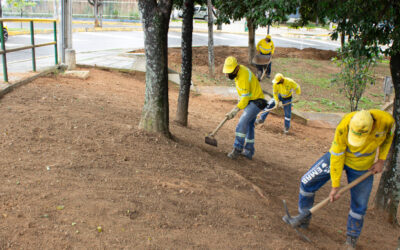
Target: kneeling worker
354,147
283,88
251,101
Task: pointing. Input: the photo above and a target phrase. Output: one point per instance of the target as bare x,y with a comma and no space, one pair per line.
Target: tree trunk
186,67
252,47
100,13
96,13
342,38
388,195
155,20
211,66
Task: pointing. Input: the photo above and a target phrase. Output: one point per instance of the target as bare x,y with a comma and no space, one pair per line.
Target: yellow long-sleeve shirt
363,157
247,87
285,89
265,48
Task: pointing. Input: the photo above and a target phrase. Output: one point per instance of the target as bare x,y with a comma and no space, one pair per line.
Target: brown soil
200,56
73,159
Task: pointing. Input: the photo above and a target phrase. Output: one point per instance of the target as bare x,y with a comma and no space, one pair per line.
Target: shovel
297,220
210,138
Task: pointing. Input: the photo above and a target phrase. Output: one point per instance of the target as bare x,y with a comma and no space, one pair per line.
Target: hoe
297,220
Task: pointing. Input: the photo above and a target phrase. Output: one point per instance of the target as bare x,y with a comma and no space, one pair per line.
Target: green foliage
21,4
115,13
355,73
134,15
255,10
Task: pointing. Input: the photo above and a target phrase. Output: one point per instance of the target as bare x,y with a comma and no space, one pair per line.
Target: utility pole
67,53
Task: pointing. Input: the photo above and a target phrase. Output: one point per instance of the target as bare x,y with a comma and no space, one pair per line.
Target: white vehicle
200,12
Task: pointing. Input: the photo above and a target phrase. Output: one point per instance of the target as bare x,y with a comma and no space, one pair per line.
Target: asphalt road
96,41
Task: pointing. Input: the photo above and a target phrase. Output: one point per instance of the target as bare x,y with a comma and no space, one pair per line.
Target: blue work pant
319,174
244,137
287,109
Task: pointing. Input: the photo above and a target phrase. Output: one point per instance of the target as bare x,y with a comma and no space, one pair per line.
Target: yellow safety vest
360,158
247,87
265,48
285,89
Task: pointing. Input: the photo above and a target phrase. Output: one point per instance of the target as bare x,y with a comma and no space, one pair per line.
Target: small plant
355,72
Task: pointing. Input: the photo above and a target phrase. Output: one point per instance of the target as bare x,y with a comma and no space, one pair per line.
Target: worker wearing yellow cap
251,102
265,47
283,89
354,149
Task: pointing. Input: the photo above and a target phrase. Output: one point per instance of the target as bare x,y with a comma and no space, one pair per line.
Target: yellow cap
268,36
278,77
360,127
230,65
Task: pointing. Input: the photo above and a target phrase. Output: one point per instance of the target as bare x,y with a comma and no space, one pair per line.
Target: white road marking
215,37
173,36
293,41
109,34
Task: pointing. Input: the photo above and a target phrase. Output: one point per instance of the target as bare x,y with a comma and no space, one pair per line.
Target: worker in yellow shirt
265,47
357,139
283,89
251,102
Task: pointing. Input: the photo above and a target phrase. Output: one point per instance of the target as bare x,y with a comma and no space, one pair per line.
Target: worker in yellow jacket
283,89
265,47
251,102
357,139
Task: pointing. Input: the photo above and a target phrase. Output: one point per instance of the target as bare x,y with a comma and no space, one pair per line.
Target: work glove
232,113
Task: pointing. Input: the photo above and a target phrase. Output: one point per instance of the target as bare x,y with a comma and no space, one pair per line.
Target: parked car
200,12
5,33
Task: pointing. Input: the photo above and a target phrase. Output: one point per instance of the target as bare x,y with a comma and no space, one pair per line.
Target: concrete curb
10,87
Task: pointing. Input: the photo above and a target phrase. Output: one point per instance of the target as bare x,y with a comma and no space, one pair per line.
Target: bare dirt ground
73,160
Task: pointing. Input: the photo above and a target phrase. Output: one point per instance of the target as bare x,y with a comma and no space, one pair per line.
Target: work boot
286,131
268,76
234,154
351,242
247,154
258,121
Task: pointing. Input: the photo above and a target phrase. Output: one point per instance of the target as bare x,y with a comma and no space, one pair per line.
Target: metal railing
4,51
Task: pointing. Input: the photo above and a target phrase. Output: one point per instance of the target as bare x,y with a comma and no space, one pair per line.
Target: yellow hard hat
268,36
360,127
278,77
230,65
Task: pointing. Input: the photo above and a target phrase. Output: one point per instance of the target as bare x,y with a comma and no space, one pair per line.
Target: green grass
314,77
16,29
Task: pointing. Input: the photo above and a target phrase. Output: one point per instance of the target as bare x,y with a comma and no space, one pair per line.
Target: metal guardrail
4,51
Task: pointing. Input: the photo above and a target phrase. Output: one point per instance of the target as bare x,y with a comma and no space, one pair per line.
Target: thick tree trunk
155,20
252,47
211,66
186,67
388,195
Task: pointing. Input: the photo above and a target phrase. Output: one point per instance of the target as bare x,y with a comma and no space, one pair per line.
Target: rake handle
219,126
283,105
341,191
